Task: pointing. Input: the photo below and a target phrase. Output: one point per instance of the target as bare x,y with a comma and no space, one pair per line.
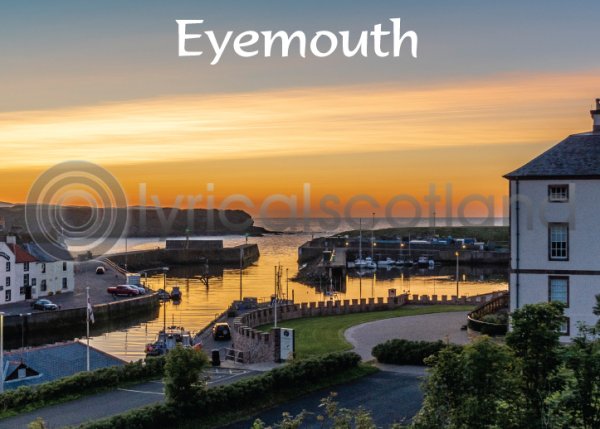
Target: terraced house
26,272
555,228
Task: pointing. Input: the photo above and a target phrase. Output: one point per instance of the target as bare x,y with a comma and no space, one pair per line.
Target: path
425,327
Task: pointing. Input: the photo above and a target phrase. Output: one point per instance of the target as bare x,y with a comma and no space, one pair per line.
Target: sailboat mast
360,240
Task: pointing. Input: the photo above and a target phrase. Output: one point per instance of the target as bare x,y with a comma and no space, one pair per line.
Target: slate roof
577,156
39,252
55,361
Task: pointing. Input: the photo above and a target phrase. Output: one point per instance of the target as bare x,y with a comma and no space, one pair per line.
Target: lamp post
457,255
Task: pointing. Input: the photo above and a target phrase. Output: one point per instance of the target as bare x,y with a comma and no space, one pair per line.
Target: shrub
405,352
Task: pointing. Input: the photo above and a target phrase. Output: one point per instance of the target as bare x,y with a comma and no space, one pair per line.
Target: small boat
387,262
167,339
163,295
175,293
424,261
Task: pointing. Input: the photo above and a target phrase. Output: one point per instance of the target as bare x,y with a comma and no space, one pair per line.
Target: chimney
596,116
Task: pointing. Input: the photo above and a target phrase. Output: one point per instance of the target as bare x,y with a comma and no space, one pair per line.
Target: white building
26,272
555,228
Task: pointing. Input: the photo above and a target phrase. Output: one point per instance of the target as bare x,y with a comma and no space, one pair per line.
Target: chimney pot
596,116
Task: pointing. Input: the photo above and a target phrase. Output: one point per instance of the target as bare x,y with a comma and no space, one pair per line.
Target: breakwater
227,256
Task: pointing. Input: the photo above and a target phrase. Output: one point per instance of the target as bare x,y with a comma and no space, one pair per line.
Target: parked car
100,270
140,289
221,331
124,290
44,304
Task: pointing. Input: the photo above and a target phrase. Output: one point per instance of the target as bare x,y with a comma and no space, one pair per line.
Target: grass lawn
321,335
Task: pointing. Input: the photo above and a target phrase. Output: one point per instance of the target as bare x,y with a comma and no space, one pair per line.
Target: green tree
472,387
583,359
535,341
183,369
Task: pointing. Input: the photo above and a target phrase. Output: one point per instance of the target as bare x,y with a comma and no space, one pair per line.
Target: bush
80,383
245,394
404,352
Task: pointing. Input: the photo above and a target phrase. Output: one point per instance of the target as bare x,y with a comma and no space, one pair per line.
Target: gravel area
425,327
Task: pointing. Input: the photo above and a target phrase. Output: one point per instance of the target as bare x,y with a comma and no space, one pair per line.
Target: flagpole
87,312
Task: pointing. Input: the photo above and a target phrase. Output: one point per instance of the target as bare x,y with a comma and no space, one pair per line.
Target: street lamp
457,255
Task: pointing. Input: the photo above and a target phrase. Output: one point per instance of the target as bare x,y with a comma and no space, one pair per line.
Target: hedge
245,394
82,383
404,352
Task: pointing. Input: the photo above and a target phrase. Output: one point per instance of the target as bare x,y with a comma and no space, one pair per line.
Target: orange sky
380,140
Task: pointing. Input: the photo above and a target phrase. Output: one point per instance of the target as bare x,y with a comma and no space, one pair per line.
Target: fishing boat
167,339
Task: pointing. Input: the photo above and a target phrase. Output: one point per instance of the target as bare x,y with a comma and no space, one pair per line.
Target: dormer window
558,193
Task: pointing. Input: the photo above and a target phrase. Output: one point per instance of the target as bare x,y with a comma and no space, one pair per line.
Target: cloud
508,110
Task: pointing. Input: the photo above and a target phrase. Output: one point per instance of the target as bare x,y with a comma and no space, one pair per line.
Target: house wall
534,265
6,255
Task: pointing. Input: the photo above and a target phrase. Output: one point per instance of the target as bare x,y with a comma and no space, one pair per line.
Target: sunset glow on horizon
257,131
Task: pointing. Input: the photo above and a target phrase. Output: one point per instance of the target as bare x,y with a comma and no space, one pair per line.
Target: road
85,275
106,404
425,327
390,397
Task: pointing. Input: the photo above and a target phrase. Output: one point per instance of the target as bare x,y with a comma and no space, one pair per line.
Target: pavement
425,327
391,397
85,275
113,402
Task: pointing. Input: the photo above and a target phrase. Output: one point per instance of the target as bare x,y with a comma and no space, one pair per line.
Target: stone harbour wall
258,346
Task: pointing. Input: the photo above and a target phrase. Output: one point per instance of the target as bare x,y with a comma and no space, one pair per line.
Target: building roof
21,255
38,252
54,361
576,157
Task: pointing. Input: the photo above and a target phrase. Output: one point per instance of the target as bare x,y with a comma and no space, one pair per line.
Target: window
26,280
7,296
43,286
21,291
8,267
565,328
64,266
33,282
64,283
558,290
8,282
558,235
43,268
558,193
25,266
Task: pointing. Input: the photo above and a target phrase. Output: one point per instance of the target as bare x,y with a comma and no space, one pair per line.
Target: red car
122,290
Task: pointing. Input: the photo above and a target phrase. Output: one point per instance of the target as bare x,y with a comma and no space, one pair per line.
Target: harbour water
200,304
